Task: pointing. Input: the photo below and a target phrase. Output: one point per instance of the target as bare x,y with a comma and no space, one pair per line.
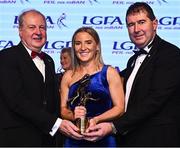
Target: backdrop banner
106,16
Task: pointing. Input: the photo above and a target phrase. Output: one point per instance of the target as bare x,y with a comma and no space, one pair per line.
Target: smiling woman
103,91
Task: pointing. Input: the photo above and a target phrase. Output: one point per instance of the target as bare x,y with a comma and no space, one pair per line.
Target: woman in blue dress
103,90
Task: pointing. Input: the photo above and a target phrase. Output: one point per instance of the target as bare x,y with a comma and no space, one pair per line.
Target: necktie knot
139,52
34,54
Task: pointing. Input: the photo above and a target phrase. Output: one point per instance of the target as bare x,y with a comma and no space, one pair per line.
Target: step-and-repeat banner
106,16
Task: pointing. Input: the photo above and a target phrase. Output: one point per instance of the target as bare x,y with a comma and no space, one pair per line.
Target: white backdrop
106,16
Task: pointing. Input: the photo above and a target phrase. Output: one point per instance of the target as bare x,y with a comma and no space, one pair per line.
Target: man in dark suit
29,98
152,86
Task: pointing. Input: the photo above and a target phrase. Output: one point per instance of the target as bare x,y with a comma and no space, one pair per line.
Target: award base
82,123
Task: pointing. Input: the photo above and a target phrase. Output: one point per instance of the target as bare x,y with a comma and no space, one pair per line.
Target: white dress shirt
130,80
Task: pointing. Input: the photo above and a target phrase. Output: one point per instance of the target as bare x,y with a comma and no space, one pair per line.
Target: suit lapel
28,62
150,56
146,61
48,69
128,70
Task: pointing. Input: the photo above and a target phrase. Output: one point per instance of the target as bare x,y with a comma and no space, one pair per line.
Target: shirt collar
28,50
149,46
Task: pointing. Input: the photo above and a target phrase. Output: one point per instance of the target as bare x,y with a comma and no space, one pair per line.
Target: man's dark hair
141,6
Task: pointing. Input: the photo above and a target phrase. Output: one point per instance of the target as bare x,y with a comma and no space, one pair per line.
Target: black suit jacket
29,107
153,111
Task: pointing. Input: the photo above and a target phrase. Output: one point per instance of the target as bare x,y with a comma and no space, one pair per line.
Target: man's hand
98,131
70,130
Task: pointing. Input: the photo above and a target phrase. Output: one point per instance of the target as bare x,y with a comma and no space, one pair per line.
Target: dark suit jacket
29,107
60,136
153,111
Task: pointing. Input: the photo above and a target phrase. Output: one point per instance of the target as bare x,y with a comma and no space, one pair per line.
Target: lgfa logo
49,20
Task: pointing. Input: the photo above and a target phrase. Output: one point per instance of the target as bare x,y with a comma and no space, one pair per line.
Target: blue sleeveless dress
99,89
